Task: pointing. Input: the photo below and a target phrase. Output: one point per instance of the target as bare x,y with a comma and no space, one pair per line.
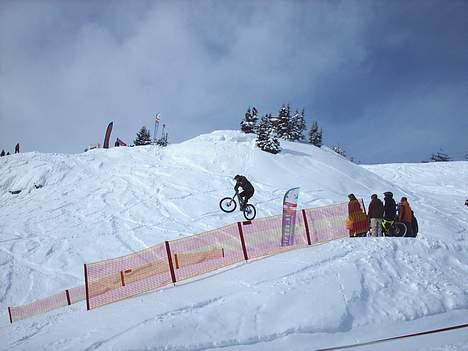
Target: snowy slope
108,203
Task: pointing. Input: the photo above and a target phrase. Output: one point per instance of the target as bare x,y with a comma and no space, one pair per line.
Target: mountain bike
229,204
392,228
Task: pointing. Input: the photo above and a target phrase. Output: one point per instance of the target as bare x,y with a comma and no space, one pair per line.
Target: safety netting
263,237
64,298
119,278
166,263
199,254
113,280
327,223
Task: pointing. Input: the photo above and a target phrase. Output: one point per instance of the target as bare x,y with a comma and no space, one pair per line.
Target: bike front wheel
228,204
250,212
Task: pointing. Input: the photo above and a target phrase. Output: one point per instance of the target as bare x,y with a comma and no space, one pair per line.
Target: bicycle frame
238,197
386,224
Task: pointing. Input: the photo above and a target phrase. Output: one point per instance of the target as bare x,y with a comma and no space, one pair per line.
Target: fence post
306,224
86,286
122,278
171,266
241,234
68,297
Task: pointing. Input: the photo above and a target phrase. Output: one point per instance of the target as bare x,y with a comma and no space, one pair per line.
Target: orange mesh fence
206,252
119,278
123,277
327,223
47,304
263,236
160,265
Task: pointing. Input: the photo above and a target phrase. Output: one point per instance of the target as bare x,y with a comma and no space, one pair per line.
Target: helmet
388,194
237,176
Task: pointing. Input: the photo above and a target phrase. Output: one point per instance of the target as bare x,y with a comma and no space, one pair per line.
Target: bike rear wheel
228,204
250,212
396,229
400,229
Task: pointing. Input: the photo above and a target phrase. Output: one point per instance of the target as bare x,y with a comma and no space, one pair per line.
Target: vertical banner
108,134
157,118
289,216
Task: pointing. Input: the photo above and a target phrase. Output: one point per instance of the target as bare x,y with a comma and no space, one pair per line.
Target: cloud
70,68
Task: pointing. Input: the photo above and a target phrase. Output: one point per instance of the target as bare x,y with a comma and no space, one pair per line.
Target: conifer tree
3,153
249,123
297,126
289,127
143,137
440,157
162,141
282,127
301,125
266,136
339,150
315,135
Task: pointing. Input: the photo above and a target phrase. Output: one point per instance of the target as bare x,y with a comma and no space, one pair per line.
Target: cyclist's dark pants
246,195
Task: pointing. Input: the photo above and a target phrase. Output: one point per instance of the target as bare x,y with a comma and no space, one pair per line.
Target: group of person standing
379,215
390,211
17,150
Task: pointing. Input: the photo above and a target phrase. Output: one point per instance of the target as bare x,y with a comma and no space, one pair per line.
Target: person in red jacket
357,222
406,214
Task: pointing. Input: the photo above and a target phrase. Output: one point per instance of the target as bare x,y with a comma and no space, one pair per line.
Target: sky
386,80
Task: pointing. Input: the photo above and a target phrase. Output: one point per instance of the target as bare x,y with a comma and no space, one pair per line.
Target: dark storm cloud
372,73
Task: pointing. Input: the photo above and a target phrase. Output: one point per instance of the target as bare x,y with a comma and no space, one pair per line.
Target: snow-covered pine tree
143,137
339,150
282,127
266,136
162,141
315,135
249,123
440,157
302,125
297,126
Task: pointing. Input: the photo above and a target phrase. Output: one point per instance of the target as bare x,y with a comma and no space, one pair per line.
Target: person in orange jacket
357,222
406,214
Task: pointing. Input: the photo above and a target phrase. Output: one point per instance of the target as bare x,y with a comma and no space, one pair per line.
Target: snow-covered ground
108,203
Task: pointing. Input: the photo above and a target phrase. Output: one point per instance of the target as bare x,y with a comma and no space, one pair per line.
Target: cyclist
389,207
247,189
389,210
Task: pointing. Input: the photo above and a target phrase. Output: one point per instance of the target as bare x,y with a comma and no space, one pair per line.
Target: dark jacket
376,209
244,184
389,208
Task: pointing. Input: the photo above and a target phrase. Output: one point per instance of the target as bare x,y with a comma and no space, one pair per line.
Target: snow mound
107,203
